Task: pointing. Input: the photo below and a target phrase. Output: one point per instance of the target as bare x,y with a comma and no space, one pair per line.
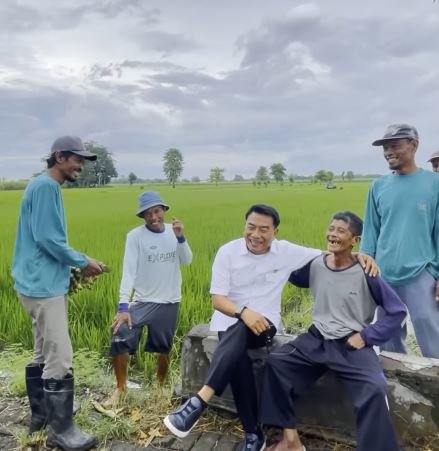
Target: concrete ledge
413,389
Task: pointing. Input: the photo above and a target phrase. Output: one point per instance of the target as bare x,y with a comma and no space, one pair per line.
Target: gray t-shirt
342,299
345,302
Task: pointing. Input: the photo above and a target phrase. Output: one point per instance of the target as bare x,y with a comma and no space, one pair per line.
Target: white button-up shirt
255,281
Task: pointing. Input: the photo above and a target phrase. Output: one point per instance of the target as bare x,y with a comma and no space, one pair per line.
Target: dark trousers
232,365
294,367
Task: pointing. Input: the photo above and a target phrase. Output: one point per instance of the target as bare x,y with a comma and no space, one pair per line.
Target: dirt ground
14,418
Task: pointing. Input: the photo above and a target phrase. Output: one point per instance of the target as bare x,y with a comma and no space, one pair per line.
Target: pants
419,297
161,320
292,369
52,345
231,364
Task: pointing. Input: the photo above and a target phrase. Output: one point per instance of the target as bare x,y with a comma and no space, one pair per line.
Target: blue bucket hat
150,199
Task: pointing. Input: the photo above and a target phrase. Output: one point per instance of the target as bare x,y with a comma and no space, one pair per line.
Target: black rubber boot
35,393
62,430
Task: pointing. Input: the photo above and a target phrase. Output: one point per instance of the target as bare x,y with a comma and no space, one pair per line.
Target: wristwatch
238,311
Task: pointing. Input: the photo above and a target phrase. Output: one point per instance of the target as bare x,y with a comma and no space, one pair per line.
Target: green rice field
99,218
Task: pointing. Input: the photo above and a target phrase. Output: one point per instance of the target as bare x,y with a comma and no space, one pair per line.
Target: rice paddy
98,220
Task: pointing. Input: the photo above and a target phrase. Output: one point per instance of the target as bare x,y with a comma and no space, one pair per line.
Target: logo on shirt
422,206
163,257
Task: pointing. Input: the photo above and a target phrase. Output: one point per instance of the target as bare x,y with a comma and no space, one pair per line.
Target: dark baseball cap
398,131
72,144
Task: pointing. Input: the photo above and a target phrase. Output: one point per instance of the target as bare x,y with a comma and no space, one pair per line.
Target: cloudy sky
235,84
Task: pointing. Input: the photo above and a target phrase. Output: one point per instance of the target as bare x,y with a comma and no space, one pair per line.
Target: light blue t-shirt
401,226
42,256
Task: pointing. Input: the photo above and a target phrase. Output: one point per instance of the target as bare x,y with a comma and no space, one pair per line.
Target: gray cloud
311,87
20,17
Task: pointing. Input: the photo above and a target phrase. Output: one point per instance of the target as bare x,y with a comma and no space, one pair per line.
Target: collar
274,248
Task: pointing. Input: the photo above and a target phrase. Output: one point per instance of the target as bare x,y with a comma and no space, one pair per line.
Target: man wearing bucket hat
434,160
401,230
41,269
150,290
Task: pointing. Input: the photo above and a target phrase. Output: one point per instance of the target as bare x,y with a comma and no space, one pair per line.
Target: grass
98,220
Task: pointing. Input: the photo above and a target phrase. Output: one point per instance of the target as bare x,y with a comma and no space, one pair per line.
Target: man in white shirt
150,290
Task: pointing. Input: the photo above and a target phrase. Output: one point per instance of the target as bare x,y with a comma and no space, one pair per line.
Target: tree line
173,163
103,170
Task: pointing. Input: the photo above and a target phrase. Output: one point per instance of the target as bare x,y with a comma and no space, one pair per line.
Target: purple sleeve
395,313
300,277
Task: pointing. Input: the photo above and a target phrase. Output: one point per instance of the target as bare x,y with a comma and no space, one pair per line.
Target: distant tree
323,176
262,176
132,178
350,175
216,175
291,178
278,172
238,178
99,172
342,176
172,165
185,181
195,179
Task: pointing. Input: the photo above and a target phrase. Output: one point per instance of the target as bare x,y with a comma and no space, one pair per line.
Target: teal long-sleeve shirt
401,226
42,255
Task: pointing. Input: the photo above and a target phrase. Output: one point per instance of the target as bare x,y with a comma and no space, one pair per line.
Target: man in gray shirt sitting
340,339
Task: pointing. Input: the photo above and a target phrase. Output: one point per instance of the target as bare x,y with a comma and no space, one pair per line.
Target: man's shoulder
382,180
42,181
136,231
232,245
432,177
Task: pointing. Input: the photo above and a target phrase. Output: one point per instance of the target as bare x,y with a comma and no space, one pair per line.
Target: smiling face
400,154
339,237
259,233
154,218
70,167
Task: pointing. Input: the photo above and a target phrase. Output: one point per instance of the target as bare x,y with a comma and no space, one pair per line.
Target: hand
356,341
256,322
177,227
368,264
92,269
437,290
119,319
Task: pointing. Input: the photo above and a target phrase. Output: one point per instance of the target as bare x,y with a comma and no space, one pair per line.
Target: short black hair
354,222
266,210
51,161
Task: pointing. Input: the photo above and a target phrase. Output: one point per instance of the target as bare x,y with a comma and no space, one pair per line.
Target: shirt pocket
274,276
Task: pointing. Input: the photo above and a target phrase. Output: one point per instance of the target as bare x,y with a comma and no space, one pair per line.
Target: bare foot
113,400
284,445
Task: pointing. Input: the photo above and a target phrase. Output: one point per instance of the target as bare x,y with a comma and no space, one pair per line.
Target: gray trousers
52,345
419,297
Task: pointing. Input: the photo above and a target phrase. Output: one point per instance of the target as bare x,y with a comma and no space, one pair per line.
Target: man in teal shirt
401,230
41,269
